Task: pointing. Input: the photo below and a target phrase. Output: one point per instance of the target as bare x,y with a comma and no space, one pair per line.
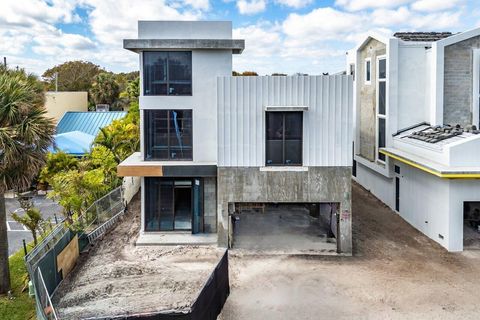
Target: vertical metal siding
327,128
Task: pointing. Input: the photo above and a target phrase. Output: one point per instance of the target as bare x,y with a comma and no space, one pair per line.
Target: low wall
131,185
313,185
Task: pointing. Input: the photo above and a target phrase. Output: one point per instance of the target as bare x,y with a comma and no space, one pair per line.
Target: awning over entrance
135,166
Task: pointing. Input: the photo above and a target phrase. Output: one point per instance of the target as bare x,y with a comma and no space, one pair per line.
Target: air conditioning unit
102,107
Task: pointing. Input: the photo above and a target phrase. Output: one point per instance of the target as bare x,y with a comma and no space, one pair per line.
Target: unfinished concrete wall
210,205
458,81
367,97
316,184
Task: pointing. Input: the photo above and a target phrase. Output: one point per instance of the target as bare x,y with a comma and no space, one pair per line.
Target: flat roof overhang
134,166
432,167
137,45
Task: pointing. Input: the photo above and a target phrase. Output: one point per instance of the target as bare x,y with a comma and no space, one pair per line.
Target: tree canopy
104,89
72,76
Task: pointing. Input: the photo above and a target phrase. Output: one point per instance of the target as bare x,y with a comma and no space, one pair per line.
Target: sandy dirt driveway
395,273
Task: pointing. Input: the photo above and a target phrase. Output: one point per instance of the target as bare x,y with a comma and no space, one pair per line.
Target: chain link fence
41,262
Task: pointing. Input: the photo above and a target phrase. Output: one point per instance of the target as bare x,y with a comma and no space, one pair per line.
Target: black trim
190,171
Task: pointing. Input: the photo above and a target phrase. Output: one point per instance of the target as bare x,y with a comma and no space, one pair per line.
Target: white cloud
294,3
30,13
355,5
321,24
13,42
387,17
435,5
403,18
198,4
259,42
113,21
251,6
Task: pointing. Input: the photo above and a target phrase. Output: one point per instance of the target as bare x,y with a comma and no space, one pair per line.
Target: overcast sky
281,35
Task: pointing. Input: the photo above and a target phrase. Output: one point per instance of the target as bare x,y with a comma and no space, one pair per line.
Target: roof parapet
137,45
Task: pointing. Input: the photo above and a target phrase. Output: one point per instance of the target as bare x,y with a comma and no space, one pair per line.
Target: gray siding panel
327,122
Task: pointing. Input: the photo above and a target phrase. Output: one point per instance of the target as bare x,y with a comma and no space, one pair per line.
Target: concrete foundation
209,205
314,185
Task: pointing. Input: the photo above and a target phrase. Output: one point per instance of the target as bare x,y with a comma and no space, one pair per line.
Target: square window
168,135
167,73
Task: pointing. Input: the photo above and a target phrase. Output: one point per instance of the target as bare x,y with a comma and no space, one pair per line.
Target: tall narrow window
167,73
381,105
368,71
284,133
168,134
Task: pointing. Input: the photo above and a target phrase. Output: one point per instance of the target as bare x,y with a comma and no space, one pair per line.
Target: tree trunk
34,235
4,267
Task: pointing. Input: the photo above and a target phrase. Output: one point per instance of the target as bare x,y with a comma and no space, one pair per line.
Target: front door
182,213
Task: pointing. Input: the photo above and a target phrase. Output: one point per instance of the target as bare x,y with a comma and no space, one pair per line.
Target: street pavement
16,232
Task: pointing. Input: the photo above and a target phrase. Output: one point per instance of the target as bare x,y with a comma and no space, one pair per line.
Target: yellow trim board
431,171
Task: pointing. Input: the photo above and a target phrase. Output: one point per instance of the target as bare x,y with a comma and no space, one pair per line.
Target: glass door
183,205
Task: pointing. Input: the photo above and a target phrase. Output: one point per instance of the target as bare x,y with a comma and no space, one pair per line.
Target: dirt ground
116,278
395,273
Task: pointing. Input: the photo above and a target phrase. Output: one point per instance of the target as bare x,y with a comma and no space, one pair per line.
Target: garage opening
285,226
471,225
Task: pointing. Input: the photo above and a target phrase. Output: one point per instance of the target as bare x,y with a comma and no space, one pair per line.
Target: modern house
416,143
219,152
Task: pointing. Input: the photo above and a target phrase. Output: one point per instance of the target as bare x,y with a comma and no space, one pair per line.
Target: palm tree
25,135
105,89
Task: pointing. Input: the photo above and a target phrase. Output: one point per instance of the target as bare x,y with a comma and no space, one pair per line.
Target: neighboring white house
408,89
213,145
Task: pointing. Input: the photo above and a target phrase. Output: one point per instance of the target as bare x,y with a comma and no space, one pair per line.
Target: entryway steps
176,238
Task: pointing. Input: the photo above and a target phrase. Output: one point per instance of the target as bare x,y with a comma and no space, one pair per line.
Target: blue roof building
77,130
87,122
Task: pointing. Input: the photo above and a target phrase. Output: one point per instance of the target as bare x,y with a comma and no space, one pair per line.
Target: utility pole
5,62
56,81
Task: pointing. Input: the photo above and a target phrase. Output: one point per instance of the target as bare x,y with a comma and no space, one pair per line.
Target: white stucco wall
432,205
207,65
424,203
412,82
380,186
461,190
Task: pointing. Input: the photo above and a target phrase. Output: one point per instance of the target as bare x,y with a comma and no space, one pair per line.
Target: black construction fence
207,306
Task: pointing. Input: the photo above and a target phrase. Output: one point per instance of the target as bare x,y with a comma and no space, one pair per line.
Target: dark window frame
147,135
167,72
284,164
